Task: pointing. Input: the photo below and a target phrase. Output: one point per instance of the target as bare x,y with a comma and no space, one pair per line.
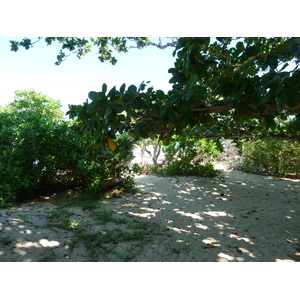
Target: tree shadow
240,217
25,237
243,217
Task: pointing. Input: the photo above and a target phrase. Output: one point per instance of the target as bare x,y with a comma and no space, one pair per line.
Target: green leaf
127,120
117,107
163,111
142,86
189,94
279,101
104,88
112,92
14,46
194,77
108,112
77,108
94,95
240,47
200,90
91,108
122,88
160,94
172,117
132,89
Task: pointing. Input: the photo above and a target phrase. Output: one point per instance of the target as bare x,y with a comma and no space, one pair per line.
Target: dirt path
240,217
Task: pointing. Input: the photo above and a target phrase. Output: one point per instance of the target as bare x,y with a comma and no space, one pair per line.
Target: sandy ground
238,217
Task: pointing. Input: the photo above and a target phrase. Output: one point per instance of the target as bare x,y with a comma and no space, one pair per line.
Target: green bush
191,148
40,152
275,157
136,168
186,156
36,153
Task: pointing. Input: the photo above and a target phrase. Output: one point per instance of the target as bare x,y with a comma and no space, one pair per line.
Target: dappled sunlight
218,214
237,218
222,257
240,238
180,230
146,212
190,215
46,243
142,215
211,242
243,217
201,226
24,237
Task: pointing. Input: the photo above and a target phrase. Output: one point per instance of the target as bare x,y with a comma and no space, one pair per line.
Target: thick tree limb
254,137
214,109
218,109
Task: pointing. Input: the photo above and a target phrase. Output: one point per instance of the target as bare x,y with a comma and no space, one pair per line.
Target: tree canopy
32,101
222,87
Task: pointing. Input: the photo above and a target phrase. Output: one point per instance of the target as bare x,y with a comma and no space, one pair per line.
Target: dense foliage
281,158
191,148
31,101
224,87
39,152
186,155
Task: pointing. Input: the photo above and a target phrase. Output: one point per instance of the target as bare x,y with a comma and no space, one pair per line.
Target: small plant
185,156
136,168
101,244
103,217
60,218
49,257
73,198
129,185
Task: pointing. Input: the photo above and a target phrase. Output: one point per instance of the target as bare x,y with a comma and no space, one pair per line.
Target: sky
75,78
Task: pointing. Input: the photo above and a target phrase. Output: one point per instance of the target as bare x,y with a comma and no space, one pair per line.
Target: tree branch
218,109
238,67
160,46
214,109
243,135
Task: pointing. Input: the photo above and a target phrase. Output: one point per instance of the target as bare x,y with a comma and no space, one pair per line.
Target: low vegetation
41,153
280,158
106,235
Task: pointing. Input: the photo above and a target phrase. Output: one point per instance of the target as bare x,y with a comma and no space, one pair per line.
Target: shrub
40,152
34,153
186,156
191,148
274,157
136,168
